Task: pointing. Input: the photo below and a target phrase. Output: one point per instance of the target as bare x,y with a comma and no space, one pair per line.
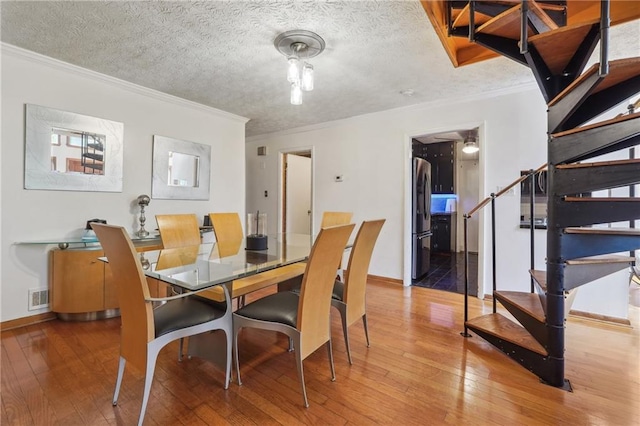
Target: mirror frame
39,121
160,189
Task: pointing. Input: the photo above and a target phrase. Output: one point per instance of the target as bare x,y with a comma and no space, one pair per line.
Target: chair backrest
317,285
335,218
178,230
176,257
355,277
132,290
226,226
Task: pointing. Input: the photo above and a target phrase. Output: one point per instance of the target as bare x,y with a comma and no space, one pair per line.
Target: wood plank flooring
418,370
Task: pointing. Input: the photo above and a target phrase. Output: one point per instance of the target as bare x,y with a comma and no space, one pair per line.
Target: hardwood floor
418,370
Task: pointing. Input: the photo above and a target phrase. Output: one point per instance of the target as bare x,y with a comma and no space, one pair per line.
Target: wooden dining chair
349,297
226,226
228,231
144,330
304,317
178,230
335,218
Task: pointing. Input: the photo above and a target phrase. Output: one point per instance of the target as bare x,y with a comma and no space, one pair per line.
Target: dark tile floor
447,273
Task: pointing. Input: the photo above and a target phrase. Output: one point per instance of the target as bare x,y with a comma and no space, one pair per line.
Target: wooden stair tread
506,24
499,326
609,258
596,125
619,70
621,10
527,302
557,55
462,18
540,277
603,231
599,164
601,199
538,10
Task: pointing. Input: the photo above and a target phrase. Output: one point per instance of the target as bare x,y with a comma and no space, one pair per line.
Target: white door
298,194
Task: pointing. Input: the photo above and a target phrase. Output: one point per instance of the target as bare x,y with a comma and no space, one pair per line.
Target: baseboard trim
386,280
22,322
600,318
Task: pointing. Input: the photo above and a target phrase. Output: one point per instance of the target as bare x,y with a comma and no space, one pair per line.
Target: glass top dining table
198,267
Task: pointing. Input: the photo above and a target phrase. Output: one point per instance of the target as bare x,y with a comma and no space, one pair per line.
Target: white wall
36,215
467,189
373,154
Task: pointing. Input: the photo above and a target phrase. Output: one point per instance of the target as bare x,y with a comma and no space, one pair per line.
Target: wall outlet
38,298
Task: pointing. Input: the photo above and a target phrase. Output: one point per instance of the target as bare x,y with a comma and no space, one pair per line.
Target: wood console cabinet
80,283
83,288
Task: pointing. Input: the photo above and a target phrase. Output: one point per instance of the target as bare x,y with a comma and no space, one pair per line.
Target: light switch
338,178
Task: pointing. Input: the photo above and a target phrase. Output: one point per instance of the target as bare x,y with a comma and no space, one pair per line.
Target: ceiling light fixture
298,46
470,145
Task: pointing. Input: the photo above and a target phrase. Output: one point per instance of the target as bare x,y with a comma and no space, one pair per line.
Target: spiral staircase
555,39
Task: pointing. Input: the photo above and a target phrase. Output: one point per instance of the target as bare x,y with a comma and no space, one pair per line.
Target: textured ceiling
221,54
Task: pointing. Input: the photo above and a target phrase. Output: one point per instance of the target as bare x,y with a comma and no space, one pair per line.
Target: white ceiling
221,54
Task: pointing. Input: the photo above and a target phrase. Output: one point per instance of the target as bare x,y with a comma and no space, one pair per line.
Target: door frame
282,181
481,125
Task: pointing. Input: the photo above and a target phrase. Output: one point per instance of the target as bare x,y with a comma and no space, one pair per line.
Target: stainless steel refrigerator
421,218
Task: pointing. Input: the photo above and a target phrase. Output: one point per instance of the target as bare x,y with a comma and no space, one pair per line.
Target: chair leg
333,369
366,329
236,329
116,392
345,331
300,371
228,333
152,355
181,349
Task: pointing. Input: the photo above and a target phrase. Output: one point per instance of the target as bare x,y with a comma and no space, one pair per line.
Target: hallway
447,273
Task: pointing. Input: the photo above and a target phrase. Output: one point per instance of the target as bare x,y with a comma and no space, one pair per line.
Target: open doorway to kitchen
296,197
452,157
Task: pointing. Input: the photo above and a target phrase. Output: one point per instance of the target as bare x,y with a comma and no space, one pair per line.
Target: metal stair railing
491,199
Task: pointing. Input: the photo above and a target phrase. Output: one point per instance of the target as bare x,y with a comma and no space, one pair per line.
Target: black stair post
555,290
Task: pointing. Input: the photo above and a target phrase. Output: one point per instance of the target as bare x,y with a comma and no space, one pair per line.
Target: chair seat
186,312
338,290
279,307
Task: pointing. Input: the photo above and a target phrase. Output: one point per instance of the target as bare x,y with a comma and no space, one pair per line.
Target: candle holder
143,201
256,231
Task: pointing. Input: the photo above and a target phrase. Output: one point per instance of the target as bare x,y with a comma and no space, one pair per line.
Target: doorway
456,186
296,192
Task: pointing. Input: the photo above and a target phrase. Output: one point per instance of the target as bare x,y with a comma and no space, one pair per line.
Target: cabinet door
441,157
445,175
77,281
434,237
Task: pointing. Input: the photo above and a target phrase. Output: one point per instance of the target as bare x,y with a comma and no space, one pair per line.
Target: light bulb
293,72
307,77
296,94
470,148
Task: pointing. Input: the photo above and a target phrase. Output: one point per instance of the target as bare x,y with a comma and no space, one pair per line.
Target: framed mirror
181,169
72,152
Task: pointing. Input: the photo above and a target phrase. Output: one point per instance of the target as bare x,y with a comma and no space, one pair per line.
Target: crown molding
9,49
